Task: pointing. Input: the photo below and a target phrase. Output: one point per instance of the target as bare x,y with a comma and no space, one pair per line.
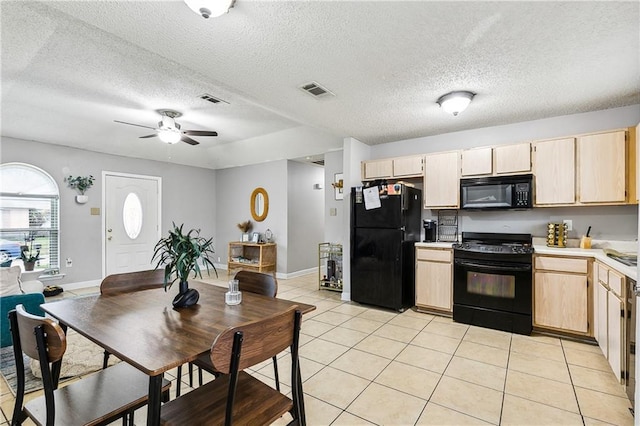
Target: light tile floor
363,366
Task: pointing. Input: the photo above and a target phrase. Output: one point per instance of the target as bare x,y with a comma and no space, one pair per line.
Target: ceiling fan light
455,102
169,136
209,8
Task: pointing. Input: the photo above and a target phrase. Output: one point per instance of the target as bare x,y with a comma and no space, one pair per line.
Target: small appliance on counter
557,235
430,227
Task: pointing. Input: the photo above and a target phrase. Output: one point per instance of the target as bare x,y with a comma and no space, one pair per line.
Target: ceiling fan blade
199,133
148,136
137,125
188,140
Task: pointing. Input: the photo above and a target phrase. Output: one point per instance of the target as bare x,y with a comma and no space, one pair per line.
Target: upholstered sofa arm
31,302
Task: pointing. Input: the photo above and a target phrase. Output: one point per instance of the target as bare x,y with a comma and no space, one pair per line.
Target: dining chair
128,283
97,399
236,396
248,281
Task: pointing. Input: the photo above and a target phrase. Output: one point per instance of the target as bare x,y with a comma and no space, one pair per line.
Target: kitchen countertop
596,253
439,245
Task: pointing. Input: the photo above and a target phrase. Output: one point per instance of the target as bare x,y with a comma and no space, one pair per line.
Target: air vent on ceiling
212,99
319,162
316,90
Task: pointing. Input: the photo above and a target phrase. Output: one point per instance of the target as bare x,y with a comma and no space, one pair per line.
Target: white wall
305,215
185,198
527,131
332,223
233,194
295,210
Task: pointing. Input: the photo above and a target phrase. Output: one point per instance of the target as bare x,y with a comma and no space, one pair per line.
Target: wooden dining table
143,329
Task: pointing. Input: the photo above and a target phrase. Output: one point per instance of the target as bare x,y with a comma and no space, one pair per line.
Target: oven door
493,285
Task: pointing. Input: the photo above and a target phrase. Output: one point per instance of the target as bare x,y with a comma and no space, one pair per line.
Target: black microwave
497,192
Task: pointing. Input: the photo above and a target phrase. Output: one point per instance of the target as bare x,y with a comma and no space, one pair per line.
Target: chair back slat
257,282
262,340
56,339
132,281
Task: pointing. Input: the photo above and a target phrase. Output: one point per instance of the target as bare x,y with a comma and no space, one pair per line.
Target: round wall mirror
259,204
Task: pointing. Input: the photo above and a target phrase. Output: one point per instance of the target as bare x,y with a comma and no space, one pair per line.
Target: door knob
110,237
109,230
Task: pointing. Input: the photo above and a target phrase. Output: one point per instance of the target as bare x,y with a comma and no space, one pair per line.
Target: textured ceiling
70,68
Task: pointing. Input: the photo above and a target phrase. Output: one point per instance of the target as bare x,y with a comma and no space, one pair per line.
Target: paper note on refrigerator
371,198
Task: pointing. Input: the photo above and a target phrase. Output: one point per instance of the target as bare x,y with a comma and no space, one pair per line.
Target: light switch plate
569,224
95,211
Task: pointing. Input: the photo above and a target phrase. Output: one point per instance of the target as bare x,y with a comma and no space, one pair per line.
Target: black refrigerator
382,246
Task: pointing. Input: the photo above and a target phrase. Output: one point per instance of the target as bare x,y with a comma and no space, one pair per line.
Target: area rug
82,357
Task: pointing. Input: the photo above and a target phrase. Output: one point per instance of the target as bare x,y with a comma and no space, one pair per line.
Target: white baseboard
346,296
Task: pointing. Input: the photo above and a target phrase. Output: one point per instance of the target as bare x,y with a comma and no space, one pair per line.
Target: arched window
29,206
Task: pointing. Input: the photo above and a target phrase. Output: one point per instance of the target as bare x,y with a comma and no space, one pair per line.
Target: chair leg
179,381
199,376
191,374
131,423
275,371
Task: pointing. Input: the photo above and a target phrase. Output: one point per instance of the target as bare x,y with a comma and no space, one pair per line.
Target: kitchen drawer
603,275
434,255
616,282
561,264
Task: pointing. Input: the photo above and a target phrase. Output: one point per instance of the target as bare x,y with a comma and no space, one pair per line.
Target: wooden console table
252,256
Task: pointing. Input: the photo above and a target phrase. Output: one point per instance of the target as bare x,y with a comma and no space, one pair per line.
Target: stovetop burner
495,248
483,242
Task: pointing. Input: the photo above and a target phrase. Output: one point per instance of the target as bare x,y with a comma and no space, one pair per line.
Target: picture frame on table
245,237
255,237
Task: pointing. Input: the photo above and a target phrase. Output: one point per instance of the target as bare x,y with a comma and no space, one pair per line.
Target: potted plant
179,254
28,255
81,184
245,227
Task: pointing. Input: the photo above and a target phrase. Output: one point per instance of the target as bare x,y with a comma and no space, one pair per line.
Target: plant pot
28,266
81,199
186,297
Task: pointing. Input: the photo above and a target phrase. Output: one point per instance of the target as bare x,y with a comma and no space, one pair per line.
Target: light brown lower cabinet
434,279
610,317
561,299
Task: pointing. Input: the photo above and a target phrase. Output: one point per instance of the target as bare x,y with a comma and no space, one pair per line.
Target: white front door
132,222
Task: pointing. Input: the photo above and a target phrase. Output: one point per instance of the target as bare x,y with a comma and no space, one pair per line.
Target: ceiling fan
169,131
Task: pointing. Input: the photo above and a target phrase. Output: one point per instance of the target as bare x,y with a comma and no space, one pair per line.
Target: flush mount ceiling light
455,102
207,8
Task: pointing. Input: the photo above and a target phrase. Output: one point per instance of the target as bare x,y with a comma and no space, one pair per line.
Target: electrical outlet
569,224
69,262
218,259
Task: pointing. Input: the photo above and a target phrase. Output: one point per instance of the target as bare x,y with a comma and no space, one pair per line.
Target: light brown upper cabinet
512,159
401,167
408,166
554,170
477,161
442,180
602,168
497,160
377,169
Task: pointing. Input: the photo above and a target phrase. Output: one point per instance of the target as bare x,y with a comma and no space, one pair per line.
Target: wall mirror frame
259,204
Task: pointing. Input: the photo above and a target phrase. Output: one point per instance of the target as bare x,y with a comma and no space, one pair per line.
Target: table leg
155,398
